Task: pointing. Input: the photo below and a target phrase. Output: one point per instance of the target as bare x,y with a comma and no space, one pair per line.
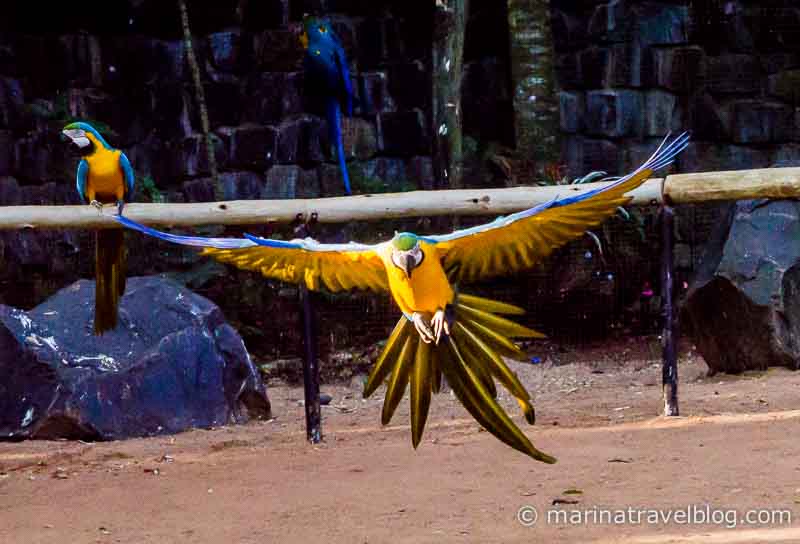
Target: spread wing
337,267
127,171
80,180
521,240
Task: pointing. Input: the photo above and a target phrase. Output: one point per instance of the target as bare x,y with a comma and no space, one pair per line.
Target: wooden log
732,185
329,210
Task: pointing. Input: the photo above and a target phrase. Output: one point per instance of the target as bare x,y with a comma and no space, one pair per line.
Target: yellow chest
428,288
105,175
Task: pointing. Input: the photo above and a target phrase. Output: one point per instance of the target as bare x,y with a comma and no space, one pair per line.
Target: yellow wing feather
522,240
335,270
524,243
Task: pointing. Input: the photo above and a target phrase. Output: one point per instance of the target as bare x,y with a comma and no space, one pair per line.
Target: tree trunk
200,96
450,21
533,82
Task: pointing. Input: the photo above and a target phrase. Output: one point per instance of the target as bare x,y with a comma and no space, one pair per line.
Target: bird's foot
440,323
120,206
423,328
97,205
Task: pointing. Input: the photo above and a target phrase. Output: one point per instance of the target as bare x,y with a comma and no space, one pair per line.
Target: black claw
120,206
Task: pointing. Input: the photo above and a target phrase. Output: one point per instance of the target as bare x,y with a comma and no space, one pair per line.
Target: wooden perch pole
329,210
677,189
732,185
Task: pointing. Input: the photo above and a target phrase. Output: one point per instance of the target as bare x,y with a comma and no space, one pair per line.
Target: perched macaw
327,78
460,336
104,176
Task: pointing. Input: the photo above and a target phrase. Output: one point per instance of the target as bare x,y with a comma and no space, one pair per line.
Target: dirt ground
735,448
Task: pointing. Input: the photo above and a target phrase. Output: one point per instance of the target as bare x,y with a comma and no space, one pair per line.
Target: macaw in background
443,332
327,78
104,176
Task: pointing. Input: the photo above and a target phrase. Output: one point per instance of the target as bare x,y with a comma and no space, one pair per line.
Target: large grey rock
744,306
172,364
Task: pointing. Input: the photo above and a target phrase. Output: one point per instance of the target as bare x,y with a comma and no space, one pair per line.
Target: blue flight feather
248,241
83,173
130,177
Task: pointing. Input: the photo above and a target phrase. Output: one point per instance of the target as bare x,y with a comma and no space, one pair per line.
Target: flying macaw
327,78
104,176
458,336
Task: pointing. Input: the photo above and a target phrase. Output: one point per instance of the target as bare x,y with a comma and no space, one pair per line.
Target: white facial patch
414,255
78,137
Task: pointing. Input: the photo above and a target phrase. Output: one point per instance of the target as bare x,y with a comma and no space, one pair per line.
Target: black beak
407,263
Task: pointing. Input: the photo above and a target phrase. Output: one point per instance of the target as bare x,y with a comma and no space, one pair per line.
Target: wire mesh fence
596,288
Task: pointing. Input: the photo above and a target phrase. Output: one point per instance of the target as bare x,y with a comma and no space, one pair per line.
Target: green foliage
147,186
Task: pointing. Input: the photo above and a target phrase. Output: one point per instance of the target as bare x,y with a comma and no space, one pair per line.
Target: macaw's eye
323,29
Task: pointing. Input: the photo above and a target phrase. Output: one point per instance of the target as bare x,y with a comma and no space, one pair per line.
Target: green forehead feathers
404,241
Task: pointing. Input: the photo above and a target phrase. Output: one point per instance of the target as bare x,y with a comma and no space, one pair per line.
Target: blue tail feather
335,126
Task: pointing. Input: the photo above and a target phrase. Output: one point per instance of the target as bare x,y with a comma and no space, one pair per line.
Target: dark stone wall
631,70
123,64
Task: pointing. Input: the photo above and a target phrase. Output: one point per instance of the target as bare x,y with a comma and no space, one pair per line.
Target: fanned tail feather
335,125
110,264
471,359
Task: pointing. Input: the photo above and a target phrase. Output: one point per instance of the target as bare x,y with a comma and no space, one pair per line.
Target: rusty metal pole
669,336
303,229
310,369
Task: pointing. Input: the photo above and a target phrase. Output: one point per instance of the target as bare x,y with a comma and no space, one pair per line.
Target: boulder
744,305
172,364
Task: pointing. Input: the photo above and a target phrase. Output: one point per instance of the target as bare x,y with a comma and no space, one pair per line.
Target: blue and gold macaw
443,332
327,77
105,176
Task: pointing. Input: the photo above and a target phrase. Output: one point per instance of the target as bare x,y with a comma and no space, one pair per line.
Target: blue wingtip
195,241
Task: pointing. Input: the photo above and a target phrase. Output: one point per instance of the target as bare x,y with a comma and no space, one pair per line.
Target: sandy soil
736,448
